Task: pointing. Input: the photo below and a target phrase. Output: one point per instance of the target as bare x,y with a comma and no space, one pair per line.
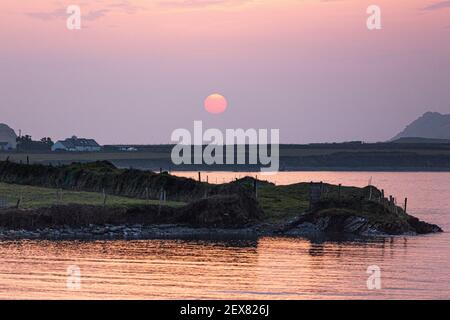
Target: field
229,205
36,197
340,156
278,203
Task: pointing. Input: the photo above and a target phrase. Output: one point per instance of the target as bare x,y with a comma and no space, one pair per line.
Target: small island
99,201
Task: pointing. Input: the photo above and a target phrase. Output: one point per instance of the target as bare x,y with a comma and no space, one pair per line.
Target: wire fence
4,203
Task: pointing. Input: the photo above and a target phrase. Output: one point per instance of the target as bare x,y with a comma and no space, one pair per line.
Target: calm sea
267,268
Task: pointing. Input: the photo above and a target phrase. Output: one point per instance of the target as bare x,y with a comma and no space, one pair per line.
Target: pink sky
139,69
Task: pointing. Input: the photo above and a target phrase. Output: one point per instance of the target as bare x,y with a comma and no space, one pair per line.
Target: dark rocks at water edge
369,219
357,226
241,207
127,232
200,219
217,216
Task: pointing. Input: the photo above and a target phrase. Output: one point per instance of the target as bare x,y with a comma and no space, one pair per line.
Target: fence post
160,200
104,197
315,194
392,203
406,203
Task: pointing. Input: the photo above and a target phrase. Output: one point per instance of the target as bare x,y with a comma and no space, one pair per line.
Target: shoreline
126,232
317,169
242,207
180,232
387,157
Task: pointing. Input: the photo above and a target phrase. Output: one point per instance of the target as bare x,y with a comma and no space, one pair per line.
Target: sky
139,69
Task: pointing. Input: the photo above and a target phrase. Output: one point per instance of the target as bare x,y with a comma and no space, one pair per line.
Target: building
128,149
7,137
6,146
76,144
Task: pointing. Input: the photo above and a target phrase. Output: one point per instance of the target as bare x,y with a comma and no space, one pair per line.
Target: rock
304,229
347,221
355,224
116,228
423,227
99,231
240,209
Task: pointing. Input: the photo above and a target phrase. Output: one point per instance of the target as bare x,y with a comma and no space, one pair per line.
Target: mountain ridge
431,125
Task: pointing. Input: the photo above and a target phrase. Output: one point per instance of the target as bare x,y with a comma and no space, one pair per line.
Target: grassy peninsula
86,196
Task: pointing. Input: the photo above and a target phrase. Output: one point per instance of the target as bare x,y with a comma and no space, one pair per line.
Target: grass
279,203
372,211
283,202
36,197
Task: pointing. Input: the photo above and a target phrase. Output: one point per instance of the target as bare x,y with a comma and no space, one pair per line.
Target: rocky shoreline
318,226
352,227
367,219
240,209
129,232
234,217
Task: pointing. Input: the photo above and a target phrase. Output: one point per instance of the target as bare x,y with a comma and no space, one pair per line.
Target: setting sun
216,103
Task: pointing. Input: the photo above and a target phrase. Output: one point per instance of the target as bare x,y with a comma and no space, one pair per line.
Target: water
267,268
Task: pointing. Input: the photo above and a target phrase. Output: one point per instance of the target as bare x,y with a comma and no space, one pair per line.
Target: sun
215,103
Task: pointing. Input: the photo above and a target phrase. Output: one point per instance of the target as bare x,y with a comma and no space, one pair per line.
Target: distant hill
431,125
420,140
8,135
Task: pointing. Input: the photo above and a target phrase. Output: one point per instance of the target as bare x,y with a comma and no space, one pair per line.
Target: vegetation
37,197
84,184
279,202
284,202
74,194
103,176
26,143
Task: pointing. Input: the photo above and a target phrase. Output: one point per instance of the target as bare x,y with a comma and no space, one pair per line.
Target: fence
3,202
320,191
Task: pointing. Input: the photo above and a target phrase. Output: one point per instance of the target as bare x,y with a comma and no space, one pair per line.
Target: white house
5,146
76,144
7,137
